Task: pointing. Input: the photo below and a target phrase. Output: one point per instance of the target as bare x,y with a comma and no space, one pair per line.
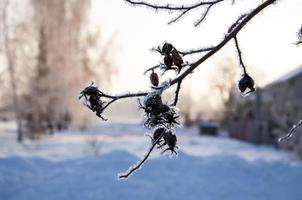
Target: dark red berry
177,59
154,79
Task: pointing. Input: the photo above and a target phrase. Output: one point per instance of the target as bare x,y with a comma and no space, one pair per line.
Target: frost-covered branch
182,9
95,99
177,93
242,22
291,132
140,163
159,116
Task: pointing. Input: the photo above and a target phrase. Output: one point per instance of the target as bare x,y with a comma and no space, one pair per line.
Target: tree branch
291,132
177,93
203,16
228,37
140,163
158,113
201,50
183,9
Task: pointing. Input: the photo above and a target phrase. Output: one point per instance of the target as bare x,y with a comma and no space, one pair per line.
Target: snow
84,165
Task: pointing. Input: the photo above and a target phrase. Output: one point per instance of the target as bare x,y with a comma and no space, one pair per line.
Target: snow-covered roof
292,74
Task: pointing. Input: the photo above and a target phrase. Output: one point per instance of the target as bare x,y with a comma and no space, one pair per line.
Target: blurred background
51,49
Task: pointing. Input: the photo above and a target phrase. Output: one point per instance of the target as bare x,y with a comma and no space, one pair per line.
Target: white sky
266,42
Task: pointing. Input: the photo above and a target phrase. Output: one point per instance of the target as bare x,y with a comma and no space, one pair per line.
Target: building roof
292,74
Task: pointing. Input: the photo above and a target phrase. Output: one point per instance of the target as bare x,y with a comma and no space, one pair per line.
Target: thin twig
201,50
118,97
291,132
177,93
183,9
173,7
178,17
138,165
203,16
239,55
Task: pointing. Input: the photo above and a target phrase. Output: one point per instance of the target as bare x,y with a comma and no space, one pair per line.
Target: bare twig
153,68
187,52
183,9
194,51
203,16
291,132
173,7
177,93
118,97
239,55
178,17
140,163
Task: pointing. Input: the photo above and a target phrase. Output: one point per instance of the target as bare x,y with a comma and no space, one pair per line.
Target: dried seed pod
167,48
168,60
154,79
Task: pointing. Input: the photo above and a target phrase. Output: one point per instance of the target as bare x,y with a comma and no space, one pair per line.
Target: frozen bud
90,90
167,48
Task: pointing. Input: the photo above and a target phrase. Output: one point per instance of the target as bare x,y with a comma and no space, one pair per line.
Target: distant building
282,108
272,112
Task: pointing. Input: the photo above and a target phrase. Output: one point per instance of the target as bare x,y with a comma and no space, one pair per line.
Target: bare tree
11,68
221,85
162,117
69,53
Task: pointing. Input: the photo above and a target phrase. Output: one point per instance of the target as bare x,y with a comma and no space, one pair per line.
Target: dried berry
90,90
168,60
170,140
246,82
177,59
167,48
154,79
93,96
154,104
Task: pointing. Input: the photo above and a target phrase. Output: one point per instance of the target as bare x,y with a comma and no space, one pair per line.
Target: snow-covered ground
84,165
